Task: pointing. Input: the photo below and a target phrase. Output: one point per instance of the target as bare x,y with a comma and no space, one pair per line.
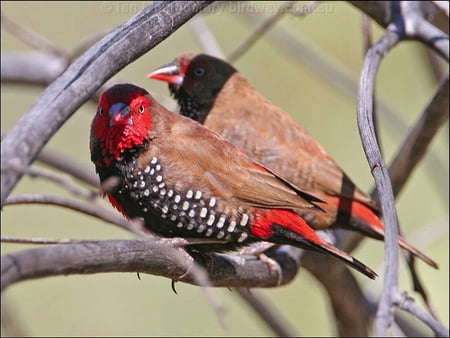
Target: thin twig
264,26
62,179
67,165
407,304
419,138
36,240
382,180
92,209
205,37
266,311
35,67
30,37
367,32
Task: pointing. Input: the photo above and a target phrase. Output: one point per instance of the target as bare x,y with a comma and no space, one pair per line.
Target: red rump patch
358,210
265,219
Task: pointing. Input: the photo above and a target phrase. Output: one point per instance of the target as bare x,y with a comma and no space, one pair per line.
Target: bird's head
123,120
195,80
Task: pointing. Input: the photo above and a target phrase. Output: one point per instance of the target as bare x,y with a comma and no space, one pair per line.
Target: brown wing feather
220,166
305,162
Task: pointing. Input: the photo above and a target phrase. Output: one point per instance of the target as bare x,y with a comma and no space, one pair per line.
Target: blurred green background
120,304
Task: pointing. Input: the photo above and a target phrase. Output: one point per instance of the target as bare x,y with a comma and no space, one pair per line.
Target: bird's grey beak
169,73
120,114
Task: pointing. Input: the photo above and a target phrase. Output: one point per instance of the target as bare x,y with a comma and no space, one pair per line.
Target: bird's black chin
174,90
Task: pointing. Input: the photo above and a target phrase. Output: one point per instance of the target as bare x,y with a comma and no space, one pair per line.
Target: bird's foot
258,250
185,257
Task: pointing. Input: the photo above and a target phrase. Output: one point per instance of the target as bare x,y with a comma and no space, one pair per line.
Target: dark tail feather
285,235
366,221
346,258
378,233
416,252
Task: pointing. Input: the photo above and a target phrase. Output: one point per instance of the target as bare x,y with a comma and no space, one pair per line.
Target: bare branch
30,37
443,6
69,166
268,23
407,303
87,43
416,143
266,311
413,149
87,257
367,32
435,63
37,68
93,209
35,240
412,19
416,26
205,37
144,256
64,180
382,180
382,11
350,307
77,84
384,187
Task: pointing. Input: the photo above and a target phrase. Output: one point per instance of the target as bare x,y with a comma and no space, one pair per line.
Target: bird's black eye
141,109
101,112
199,71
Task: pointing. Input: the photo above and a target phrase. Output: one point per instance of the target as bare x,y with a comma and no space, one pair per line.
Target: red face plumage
122,121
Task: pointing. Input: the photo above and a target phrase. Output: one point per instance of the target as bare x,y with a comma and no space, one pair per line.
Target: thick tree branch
144,256
77,84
